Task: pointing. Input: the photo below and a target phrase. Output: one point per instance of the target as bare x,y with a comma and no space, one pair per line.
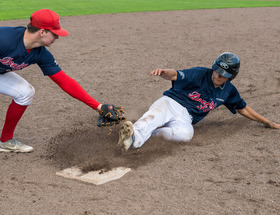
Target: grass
21,9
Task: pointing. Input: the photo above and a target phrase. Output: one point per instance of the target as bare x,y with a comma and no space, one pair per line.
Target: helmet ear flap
233,77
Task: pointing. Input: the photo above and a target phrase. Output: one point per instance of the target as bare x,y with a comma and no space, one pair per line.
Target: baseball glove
110,115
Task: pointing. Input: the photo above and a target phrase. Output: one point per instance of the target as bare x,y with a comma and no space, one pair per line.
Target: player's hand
158,72
168,74
272,125
98,109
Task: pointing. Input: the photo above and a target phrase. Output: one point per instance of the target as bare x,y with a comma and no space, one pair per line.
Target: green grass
21,9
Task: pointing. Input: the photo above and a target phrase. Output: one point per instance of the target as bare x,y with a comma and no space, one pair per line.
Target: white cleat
126,135
14,145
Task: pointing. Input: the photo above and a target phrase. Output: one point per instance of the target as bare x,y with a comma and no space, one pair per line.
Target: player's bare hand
270,124
157,72
168,74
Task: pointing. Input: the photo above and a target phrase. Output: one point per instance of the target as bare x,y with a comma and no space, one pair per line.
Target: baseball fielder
194,93
21,47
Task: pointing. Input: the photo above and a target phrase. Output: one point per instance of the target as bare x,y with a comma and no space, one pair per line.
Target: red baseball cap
49,20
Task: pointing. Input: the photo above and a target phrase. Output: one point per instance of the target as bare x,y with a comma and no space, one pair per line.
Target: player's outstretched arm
249,113
168,74
70,86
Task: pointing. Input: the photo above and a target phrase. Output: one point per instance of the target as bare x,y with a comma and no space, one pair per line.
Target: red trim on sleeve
70,86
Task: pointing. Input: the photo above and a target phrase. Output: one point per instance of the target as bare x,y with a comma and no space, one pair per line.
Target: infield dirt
231,166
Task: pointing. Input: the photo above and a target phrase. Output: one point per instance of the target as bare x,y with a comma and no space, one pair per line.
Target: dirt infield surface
230,167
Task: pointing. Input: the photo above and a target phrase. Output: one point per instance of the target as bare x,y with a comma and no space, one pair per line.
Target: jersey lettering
8,61
205,106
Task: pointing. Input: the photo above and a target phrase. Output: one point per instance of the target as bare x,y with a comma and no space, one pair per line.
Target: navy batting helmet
227,65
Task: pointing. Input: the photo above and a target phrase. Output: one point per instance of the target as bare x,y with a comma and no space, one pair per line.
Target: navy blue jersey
195,90
14,56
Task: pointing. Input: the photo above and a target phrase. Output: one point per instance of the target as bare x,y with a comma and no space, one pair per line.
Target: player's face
217,79
48,38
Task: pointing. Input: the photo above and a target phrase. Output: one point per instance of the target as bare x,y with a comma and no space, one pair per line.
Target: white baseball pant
166,118
15,86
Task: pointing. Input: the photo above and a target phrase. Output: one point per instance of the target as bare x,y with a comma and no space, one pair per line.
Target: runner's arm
249,113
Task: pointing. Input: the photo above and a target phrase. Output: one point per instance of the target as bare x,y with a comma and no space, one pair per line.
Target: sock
14,113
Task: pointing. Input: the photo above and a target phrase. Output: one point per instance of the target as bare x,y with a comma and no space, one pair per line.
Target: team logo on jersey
8,61
205,106
181,74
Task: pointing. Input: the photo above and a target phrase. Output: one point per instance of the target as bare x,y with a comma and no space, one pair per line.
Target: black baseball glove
110,115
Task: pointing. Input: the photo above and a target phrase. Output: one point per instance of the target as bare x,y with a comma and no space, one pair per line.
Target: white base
95,177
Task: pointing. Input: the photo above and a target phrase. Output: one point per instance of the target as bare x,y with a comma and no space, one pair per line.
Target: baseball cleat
14,145
126,135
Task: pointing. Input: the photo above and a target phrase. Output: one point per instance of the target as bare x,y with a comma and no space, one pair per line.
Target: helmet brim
221,72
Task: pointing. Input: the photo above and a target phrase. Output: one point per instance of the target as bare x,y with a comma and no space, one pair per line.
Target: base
95,177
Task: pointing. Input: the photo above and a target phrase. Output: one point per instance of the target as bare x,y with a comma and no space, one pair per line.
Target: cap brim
60,32
221,72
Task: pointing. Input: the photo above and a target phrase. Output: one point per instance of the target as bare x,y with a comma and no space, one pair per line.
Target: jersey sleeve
234,101
192,77
47,63
184,77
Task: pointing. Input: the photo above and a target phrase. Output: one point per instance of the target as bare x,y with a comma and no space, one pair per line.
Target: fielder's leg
15,86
